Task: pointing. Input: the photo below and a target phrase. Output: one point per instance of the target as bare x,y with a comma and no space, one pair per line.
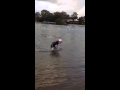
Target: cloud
52,1
81,12
68,6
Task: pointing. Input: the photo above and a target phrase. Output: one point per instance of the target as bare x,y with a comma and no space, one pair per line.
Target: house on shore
70,21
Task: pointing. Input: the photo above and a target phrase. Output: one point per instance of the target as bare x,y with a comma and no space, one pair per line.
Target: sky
69,6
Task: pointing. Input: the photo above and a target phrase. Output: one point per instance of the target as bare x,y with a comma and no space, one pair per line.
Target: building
70,21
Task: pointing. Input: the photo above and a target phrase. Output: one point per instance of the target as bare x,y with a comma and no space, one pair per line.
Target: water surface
60,70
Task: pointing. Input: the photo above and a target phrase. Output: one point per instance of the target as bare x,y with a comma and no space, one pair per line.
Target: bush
60,22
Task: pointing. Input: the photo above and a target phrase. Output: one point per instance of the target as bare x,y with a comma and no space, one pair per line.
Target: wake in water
48,50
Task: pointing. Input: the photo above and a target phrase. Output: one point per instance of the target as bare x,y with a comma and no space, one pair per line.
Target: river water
64,69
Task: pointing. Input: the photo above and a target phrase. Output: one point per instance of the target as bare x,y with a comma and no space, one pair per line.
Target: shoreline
64,25
74,25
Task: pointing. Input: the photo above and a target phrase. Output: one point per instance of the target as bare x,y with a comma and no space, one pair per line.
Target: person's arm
53,46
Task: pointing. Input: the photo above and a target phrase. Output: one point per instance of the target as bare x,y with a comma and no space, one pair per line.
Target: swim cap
60,40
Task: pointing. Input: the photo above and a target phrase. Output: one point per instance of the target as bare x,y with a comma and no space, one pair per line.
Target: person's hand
52,48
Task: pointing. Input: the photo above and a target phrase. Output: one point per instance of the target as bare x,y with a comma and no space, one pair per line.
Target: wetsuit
54,44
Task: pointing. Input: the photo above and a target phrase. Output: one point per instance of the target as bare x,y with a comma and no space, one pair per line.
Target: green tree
74,16
37,16
62,16
59,21
82,20
57,15
50,17
44,14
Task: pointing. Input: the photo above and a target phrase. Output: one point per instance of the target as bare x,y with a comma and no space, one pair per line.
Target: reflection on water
64,69
55,54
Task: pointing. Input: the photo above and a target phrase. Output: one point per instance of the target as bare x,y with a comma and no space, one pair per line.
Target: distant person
55,43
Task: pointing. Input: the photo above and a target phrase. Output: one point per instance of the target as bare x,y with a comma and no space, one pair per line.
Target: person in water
55,43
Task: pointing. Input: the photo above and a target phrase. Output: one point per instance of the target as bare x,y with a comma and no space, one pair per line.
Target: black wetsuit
54,44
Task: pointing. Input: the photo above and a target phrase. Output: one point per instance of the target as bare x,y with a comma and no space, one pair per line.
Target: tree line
58,17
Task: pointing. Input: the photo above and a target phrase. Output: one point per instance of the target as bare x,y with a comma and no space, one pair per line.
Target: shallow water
64,69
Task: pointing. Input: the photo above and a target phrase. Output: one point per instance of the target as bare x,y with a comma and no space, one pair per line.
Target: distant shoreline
74,25
64,25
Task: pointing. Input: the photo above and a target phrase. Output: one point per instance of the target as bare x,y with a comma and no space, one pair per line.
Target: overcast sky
69,6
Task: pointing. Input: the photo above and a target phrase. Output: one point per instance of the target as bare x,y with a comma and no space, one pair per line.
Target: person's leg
55,47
